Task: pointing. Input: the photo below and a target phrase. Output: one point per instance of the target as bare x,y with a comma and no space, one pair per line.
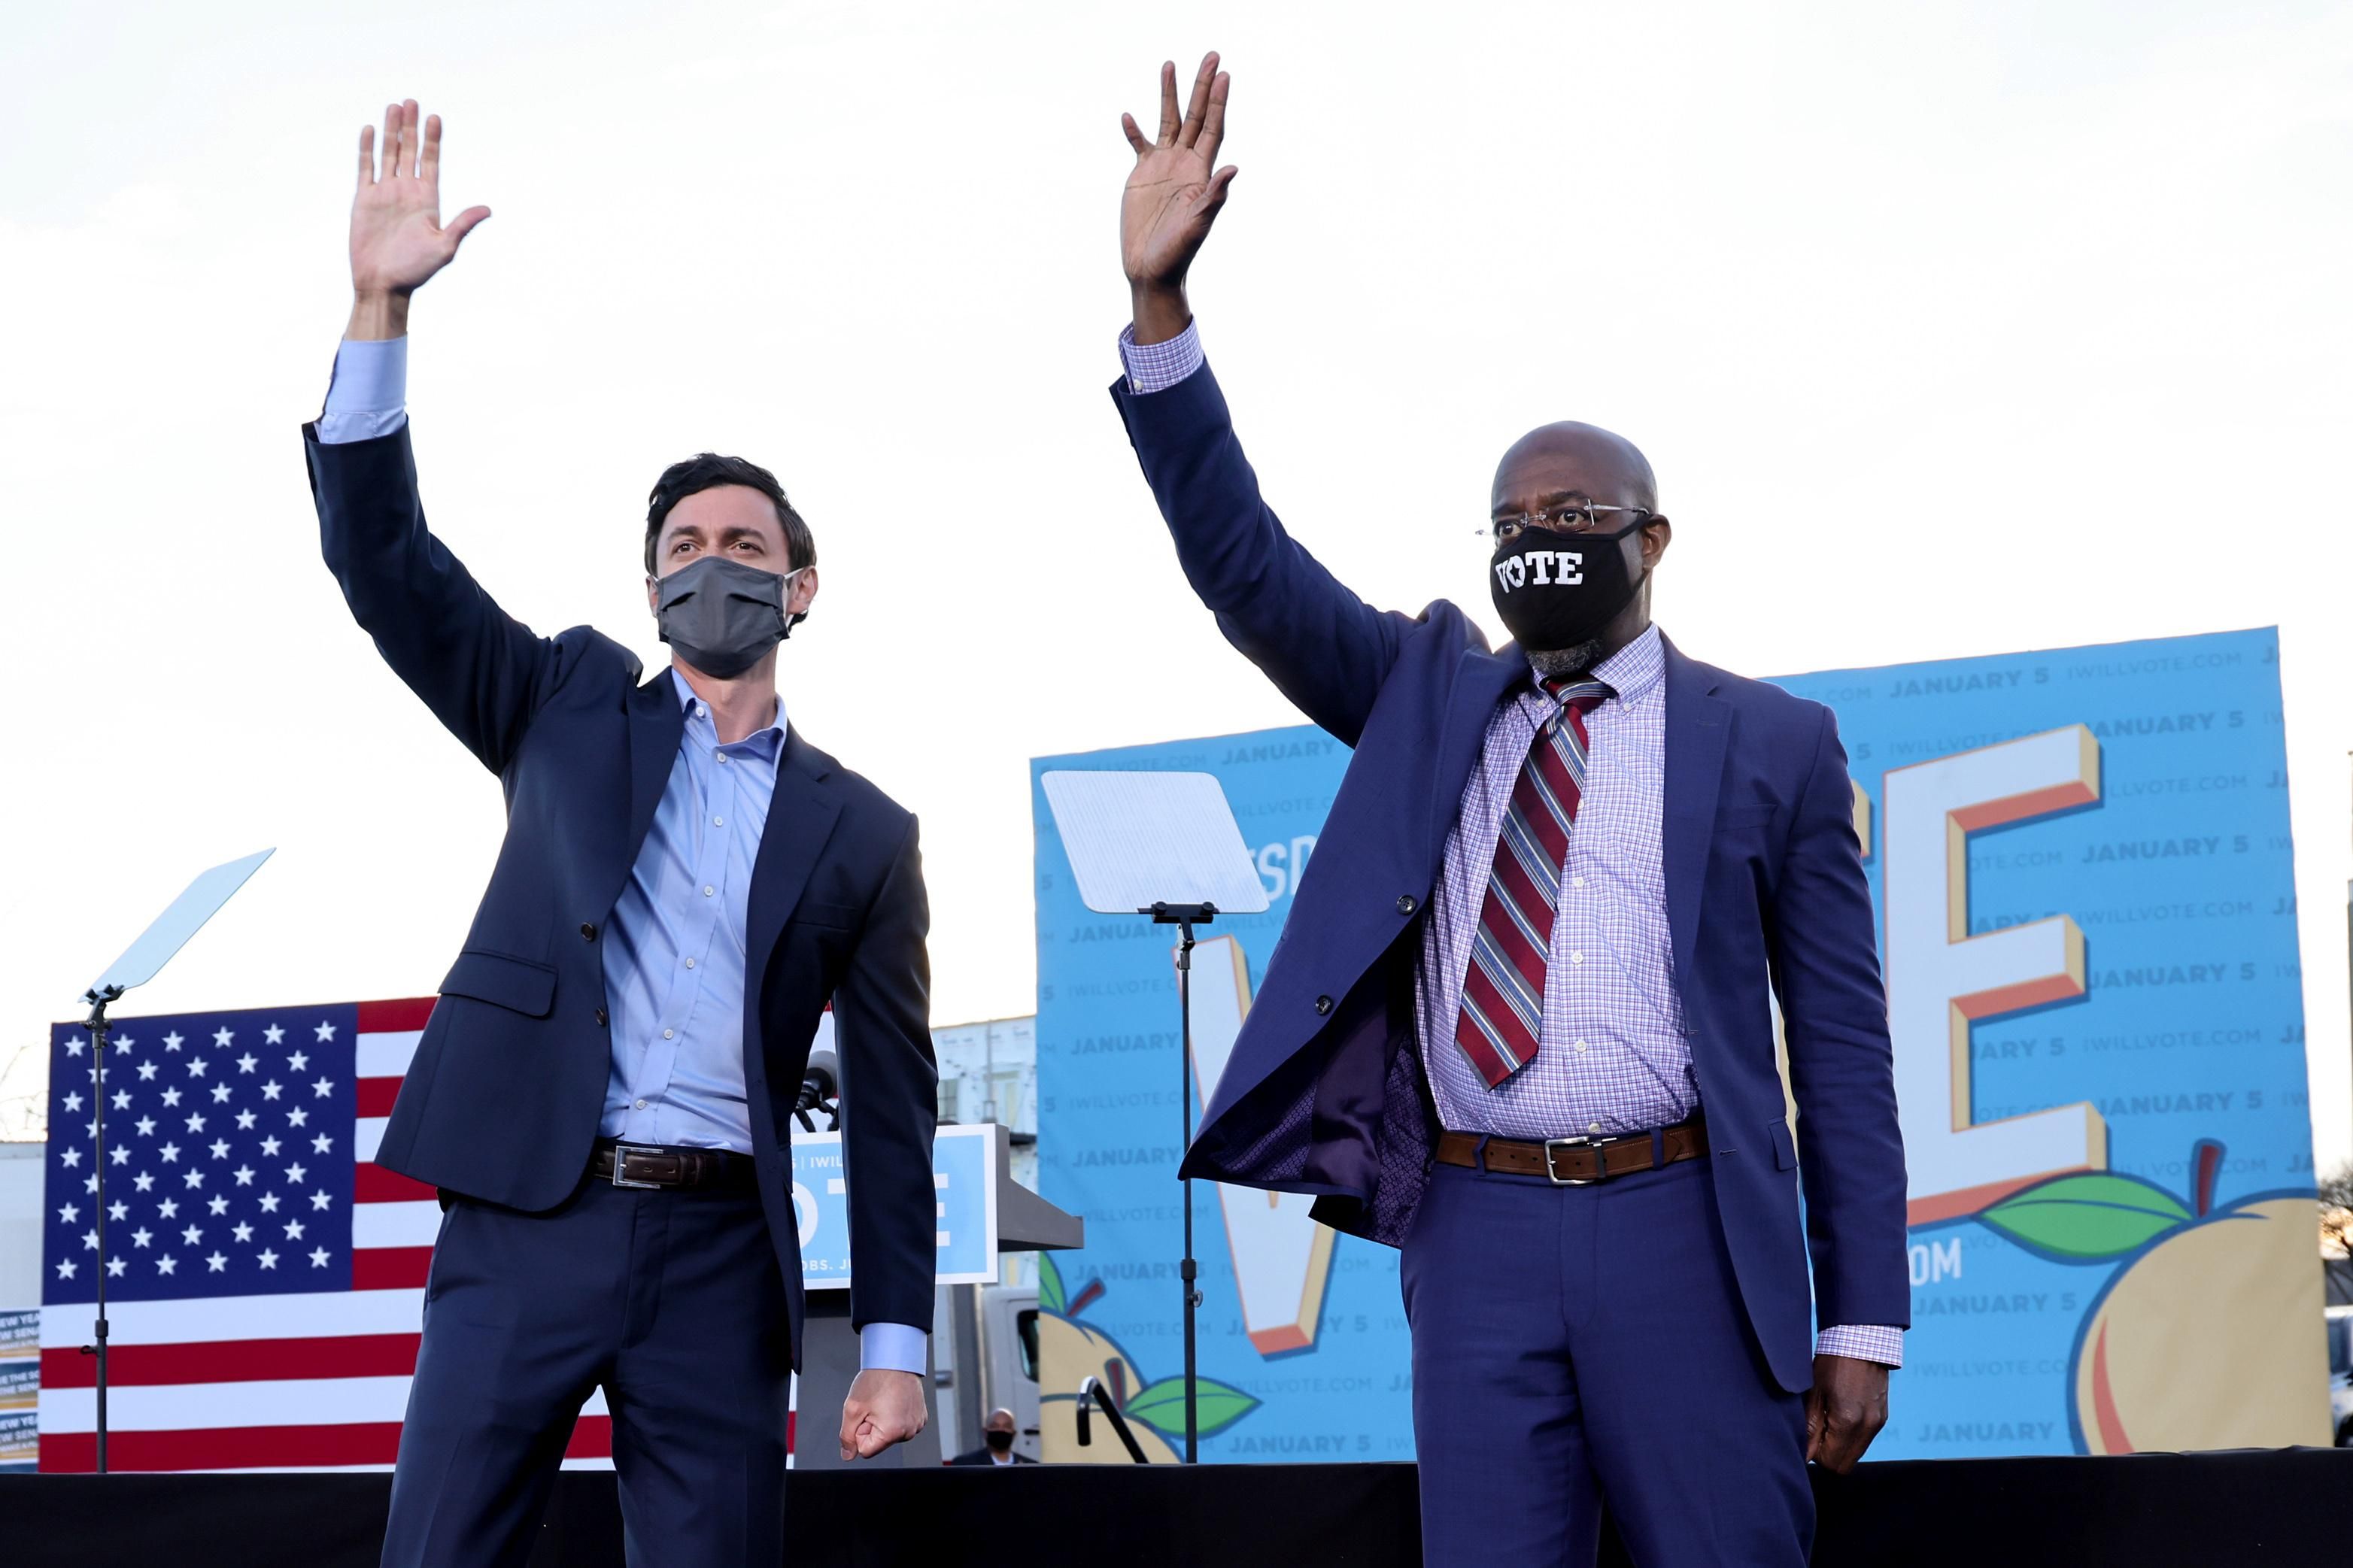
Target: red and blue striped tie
1502,989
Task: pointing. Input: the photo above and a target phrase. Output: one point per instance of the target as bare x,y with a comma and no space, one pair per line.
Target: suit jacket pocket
516,984
835,917
1785,1148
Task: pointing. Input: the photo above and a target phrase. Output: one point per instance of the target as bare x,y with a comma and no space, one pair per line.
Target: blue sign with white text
964,1172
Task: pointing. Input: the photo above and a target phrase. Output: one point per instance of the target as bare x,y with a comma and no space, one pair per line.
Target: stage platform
2277,1509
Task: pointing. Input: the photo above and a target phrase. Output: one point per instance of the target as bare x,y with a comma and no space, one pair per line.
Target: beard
1552,664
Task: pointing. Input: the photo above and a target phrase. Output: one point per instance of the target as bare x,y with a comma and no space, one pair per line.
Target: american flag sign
265,1277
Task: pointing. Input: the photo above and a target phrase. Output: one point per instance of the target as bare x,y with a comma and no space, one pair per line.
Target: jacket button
1323,1005
601,1019
587,931
1405,903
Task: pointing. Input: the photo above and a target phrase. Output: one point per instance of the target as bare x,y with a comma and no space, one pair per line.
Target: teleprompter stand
1133,837
140,963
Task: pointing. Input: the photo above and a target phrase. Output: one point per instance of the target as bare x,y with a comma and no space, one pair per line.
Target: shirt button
1589,1127
706,890
640,1105
1577,881
718,822
1580,1048
670,1034
699,712
690,963
1573,958
723,756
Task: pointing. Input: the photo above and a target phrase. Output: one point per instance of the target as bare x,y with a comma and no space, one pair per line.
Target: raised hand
398,240
1172,197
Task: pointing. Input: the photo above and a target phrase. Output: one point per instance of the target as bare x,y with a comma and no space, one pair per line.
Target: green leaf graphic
1160,1405
2087,1218
1049,1286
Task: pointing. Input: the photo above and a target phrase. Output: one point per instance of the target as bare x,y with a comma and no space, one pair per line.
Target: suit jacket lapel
801,815
656,722
1480,682
1698,726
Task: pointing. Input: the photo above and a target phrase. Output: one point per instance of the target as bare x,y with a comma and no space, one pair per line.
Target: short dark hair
707,470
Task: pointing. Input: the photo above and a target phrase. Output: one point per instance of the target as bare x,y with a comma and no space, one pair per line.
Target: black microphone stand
96,1025
1185,916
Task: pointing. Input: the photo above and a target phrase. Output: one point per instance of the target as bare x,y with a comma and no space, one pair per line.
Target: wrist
1160,310
377,313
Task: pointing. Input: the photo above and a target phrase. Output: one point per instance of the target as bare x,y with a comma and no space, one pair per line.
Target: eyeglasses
1569,517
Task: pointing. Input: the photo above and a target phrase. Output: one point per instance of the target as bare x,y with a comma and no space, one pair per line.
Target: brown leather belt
656,1165
1575,1162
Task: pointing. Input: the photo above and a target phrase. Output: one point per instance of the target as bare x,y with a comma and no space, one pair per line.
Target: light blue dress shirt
674,962
674,959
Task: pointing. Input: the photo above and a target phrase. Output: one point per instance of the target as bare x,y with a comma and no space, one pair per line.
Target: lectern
982,1212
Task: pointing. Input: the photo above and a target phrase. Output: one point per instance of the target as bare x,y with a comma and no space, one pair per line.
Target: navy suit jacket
503,1101
1324,1092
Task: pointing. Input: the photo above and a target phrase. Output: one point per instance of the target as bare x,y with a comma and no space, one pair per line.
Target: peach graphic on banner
1069,1352
2210,1335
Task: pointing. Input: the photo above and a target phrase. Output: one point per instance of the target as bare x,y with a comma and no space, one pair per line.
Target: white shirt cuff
1868,1342
369,393
1156,367
893,1347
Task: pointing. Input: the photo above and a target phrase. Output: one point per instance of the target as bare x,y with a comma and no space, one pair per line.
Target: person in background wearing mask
603,1094
996,1446
1521,1023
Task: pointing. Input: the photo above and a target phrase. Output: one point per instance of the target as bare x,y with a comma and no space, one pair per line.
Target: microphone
820,1091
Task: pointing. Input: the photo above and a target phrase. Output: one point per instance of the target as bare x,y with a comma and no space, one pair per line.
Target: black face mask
1556,590
1000,1441
723,615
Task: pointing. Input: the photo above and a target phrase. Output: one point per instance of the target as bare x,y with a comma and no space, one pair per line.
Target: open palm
397,237
1175,188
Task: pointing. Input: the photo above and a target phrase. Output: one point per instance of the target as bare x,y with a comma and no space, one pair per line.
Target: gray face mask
723,615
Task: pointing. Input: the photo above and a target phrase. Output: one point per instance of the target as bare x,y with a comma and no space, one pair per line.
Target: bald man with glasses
1521,1023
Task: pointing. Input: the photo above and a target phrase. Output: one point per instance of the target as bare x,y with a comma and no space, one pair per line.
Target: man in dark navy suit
1521,1020
604,1095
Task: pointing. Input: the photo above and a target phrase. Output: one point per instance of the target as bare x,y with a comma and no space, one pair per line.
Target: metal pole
98,1027
1185,1099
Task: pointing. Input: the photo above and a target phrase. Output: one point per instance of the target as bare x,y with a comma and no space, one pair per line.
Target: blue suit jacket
503,1097
1324,1092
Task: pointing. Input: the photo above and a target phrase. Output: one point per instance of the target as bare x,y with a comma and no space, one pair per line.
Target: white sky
1950,329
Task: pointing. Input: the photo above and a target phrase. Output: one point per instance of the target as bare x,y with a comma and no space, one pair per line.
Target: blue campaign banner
2084,878
965,1161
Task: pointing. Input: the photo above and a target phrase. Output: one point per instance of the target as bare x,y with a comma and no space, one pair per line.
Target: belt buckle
621,1153
1552,1173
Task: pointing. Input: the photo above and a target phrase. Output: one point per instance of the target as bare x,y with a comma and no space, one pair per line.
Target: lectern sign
964,1174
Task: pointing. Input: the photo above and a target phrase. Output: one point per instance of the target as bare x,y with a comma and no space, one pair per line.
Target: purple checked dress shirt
1614,1056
